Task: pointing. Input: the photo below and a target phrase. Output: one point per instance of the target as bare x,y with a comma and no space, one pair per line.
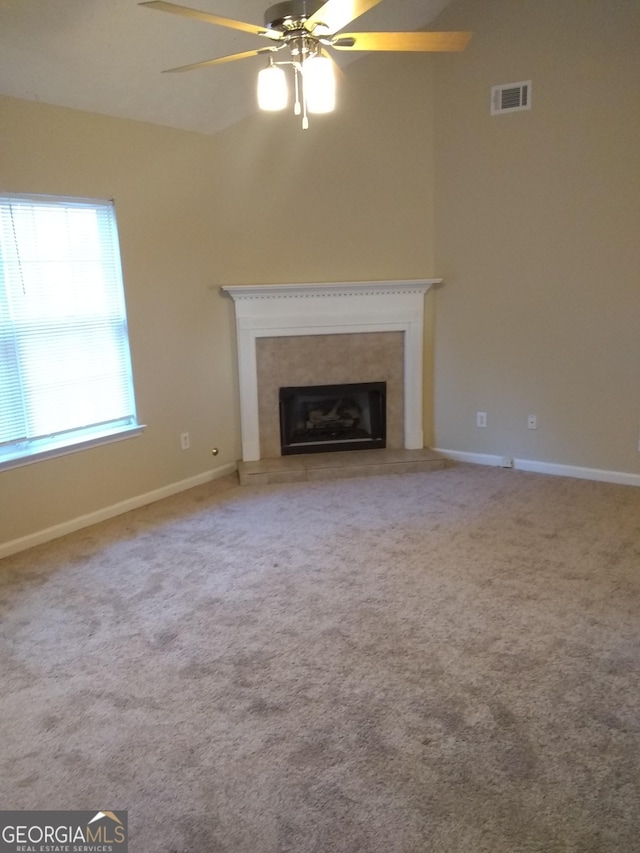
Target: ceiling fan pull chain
297,109
300,76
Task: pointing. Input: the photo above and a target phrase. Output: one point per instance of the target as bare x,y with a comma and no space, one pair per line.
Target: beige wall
538,234
349,199
165,187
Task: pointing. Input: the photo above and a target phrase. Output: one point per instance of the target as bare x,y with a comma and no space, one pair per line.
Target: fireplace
321,312
322,418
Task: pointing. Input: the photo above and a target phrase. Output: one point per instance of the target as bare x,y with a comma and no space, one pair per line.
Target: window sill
28,457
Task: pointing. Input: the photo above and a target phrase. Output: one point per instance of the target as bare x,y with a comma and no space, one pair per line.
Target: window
65,368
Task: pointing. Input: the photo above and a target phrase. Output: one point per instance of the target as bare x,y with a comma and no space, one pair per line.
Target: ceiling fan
305,28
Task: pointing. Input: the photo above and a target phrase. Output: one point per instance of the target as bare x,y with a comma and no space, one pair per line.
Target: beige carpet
443,662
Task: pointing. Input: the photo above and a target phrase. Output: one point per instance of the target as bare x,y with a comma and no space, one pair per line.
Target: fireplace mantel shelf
344,288
277,310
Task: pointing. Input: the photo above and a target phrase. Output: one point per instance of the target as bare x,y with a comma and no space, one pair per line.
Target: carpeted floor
444,662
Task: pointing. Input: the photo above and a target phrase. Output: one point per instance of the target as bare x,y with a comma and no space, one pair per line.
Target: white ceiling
106,56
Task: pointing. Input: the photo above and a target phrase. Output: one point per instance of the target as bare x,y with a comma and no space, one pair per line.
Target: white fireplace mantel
276,310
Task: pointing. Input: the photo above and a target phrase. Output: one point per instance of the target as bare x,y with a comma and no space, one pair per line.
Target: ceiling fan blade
418,41
254,29
231,58
336,14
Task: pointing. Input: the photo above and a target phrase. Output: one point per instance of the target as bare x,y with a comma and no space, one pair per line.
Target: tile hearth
335,466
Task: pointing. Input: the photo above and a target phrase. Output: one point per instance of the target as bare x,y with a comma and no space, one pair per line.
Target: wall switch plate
185,441
481,419
532,422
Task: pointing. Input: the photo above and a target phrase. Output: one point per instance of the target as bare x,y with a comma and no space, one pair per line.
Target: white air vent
510,97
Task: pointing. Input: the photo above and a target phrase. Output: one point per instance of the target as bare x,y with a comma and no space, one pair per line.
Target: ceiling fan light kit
319,84
313,78
306,28
273,94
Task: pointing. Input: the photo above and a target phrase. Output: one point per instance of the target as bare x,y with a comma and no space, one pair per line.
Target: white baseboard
623,478
473,458
49,533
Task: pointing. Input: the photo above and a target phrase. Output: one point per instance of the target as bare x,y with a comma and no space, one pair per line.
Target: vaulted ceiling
106,56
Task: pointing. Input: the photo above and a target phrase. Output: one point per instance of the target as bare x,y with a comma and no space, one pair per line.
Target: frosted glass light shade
319,84
272,89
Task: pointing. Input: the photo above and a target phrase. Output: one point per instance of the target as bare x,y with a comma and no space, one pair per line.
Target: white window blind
65,368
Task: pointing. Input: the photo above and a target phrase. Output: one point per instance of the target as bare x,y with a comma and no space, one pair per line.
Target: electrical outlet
185,441
532,422
481,419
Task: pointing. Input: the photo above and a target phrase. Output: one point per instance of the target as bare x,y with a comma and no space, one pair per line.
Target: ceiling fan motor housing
291,14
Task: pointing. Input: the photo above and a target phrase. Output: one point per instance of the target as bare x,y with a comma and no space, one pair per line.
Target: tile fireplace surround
347,308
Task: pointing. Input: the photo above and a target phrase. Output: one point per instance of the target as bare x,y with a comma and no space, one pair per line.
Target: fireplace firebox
323,418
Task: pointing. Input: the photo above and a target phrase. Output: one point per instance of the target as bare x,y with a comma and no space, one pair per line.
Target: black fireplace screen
322,418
